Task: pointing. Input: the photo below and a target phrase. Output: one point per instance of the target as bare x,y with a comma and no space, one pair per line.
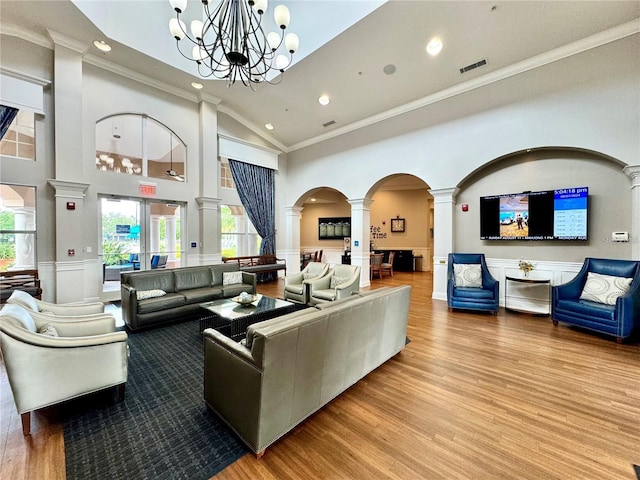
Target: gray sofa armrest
129,299
250,279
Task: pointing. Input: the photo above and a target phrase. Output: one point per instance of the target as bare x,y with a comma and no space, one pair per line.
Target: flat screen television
547,215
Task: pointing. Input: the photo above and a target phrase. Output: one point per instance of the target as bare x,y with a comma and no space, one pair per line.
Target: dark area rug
163,429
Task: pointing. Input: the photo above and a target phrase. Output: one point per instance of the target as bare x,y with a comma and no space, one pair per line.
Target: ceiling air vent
329,123
473,66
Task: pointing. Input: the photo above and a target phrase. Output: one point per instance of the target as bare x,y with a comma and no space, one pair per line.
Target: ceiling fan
171,172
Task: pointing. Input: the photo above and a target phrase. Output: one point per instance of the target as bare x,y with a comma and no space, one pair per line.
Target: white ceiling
513,36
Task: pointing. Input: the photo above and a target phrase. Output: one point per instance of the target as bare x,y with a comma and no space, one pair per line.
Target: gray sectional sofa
184,289
289,367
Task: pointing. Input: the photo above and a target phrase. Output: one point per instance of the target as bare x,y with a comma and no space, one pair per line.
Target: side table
528,295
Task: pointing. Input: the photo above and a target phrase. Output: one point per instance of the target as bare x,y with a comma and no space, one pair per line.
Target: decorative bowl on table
245,299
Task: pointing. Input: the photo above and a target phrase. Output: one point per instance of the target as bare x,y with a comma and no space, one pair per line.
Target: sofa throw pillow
336,281
49,330
144,294
467,275
231,278
604,288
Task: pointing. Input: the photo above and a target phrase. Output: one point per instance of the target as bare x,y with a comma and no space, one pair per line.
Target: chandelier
231,44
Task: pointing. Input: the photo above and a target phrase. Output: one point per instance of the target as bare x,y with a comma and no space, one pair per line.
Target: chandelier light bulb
291,42
196,29
282,62
176,27
260,6
282,16
179,5
273,39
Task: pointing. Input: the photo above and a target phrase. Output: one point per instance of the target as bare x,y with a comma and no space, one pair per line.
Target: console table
527,295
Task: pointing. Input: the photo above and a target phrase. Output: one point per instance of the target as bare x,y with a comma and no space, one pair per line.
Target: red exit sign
147,189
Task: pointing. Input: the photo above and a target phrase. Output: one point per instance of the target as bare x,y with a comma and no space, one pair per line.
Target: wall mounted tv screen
550,215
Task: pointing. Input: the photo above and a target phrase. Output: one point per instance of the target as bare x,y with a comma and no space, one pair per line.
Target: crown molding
251,126
10,72
575,48
17,31
249,144
140,78
67,42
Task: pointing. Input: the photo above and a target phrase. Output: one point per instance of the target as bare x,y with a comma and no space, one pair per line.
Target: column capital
364,203
444,195
293,210
66,188
204,202
633,172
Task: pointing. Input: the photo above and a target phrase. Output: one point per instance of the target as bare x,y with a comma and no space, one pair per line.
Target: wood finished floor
473,396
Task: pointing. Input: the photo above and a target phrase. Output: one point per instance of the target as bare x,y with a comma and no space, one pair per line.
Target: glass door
138,234
122,247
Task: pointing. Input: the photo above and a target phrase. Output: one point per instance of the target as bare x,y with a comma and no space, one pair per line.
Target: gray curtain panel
256,188
7,114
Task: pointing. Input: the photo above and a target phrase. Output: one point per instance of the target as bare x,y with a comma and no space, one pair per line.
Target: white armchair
25,300
86,356
340,282
296,287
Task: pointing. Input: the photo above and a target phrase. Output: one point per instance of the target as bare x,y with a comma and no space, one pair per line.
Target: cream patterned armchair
18,297
44,369
340,282
296,287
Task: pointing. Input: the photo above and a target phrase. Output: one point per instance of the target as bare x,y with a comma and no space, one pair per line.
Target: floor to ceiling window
239,237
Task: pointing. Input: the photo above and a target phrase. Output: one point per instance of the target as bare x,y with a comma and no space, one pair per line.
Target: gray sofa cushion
155,304
191,278
233,290
153,281
200,295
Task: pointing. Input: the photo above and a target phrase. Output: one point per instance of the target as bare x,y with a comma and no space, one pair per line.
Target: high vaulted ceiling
343,59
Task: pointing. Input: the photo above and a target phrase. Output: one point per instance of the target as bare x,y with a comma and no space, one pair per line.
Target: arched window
135,144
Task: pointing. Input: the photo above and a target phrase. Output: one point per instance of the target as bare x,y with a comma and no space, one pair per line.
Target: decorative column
292,248
443,209
360,224
70,234
633,171
208,248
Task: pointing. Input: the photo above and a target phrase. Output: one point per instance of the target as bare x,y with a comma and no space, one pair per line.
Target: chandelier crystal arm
231,44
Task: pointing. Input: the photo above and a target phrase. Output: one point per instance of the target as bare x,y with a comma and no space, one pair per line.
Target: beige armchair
296,287
86,356
340,282
18,297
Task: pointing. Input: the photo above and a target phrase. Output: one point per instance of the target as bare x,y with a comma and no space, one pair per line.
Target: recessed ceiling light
268,126
196,85
312,199
324,100
102,45
434,46
389,69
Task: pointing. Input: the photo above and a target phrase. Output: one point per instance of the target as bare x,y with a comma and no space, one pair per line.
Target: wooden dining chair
375,265
388,266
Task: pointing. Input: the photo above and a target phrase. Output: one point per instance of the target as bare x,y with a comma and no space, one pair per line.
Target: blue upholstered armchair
470,285
603,306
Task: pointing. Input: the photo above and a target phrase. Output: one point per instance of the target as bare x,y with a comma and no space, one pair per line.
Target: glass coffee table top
232,319
227,308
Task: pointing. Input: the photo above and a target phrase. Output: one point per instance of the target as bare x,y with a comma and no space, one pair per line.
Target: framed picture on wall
397,225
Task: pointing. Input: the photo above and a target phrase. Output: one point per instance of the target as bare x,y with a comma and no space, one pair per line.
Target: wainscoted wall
557,272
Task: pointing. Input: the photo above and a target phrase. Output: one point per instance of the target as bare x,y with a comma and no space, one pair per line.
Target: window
226,180
17,227
239,237
139,145
19,140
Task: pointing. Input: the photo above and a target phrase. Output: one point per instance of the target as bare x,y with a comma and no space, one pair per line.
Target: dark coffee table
232,319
